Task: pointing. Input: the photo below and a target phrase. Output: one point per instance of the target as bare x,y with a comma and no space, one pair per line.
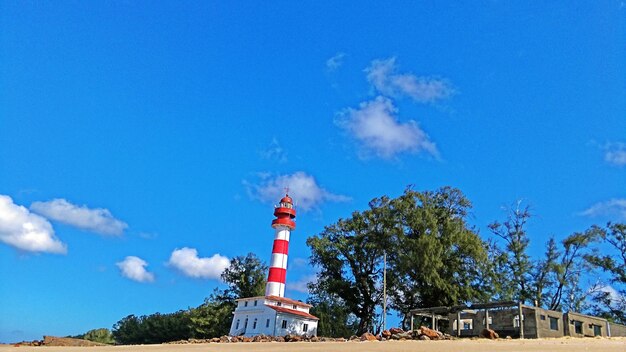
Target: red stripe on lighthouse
277,275
280,246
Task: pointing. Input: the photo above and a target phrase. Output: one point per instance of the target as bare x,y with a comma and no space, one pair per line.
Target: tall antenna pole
384,291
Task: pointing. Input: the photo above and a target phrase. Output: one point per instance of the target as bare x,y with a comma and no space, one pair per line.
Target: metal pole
458,324
385,291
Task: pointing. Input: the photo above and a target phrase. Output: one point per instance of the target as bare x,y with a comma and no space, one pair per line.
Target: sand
564,344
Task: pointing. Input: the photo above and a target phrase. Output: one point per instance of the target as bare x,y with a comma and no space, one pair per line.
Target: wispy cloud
186,261
615,153
383,76
134,268
302,284
375,125
26,231
97,220
611,208
335,62
274,152
302,187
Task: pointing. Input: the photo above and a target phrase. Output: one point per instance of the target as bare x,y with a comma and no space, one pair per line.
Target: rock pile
423,333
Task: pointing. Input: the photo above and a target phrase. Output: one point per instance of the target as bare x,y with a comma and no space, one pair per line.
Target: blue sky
142,145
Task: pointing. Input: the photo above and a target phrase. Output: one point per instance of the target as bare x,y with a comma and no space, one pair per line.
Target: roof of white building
293,311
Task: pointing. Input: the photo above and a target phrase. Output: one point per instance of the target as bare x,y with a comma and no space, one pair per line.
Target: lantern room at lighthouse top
284,213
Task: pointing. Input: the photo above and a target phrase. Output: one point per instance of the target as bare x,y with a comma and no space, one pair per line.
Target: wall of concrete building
588,326
550,323
617,330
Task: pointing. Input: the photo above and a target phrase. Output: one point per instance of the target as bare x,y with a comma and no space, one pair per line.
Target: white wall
295,325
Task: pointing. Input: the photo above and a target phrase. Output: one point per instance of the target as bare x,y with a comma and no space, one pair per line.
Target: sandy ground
565,345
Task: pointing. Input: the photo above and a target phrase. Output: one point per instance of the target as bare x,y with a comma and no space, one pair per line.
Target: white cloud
26,231
375,125
274,152
134,268
302,284
382,75
97,220
303,188
611,208
186,260
615,153
335,62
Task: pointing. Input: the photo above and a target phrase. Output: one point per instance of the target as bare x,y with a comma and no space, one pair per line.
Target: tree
349,254
245,277
213,317
335,317
438,259
434,258
569,270
99,335
612,298
517,260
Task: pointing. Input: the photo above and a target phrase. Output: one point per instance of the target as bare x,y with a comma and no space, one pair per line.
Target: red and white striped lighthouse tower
283,224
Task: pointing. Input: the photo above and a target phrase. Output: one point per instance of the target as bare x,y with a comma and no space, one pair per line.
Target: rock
279,339
489,334
340,339
225,339
432,334
386,334
424,338
215,340
315,339
406,335
395,331
368,337
353,338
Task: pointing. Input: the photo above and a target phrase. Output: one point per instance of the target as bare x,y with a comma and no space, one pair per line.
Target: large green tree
434,257
438,259
349,255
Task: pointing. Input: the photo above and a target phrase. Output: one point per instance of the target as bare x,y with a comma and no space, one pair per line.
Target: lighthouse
284,223
274,314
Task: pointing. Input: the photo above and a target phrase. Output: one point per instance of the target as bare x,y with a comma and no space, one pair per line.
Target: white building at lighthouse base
273,316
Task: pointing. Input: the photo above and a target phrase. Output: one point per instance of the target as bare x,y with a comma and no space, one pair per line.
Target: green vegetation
245,277
434,258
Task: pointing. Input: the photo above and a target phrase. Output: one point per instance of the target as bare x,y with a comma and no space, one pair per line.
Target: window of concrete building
305,327
278,304
284,326
267,323
578,326
467,325
245,304
597,329
237,325
255,303
554,323
245,324
542,317
295,307
254,324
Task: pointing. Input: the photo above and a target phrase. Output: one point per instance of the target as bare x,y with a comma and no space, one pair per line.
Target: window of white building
305,327
237,325
267,323
284,326
254,324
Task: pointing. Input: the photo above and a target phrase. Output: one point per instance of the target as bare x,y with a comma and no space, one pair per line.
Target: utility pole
384,291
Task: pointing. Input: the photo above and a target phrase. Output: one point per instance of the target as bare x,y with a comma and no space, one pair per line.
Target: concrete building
274,314
504,318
